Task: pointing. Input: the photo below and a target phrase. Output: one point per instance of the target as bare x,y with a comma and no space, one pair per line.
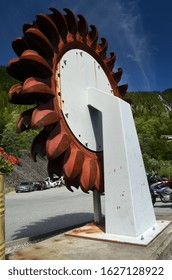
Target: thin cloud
121,23
134,42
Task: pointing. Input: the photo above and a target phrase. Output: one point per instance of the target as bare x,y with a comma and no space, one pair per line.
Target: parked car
40,185
25,187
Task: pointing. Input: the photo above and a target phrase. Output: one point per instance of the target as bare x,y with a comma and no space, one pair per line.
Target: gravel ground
10,249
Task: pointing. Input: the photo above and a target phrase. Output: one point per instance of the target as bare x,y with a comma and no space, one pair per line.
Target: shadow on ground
163,206
53,225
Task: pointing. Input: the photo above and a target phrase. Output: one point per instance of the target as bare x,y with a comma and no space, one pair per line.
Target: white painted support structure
129,213
97,207
105,123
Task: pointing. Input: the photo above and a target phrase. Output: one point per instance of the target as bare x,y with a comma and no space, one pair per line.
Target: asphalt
69,245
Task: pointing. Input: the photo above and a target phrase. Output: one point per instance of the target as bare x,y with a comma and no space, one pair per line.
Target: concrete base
65,247
97,232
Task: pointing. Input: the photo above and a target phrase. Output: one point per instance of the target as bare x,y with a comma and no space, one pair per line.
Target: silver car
25,187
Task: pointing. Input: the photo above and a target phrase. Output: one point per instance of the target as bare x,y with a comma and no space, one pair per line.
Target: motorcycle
162,191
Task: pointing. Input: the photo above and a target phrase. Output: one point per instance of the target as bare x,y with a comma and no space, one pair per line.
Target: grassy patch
9,189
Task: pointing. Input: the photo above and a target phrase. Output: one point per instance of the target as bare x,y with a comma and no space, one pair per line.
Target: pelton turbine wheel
58,58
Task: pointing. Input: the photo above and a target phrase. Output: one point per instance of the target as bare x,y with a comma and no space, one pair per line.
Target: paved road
34,213
30,214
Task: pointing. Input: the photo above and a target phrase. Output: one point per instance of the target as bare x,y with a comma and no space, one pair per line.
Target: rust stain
19,253
37,247
88,229
56,240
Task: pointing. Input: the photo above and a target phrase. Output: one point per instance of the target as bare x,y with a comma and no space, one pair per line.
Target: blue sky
138,31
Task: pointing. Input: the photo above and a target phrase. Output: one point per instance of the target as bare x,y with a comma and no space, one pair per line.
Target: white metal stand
129,213
109,127
97,207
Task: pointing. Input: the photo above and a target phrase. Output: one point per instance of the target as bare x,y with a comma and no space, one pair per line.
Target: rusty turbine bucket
39,52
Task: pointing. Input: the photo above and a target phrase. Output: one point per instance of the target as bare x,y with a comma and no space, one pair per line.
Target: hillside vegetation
153,118
9,113
152,114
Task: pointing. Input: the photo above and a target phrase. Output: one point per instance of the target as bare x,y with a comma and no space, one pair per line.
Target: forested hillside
167,94
153,118
12,142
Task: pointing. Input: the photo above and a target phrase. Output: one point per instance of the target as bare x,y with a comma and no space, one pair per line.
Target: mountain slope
153,103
